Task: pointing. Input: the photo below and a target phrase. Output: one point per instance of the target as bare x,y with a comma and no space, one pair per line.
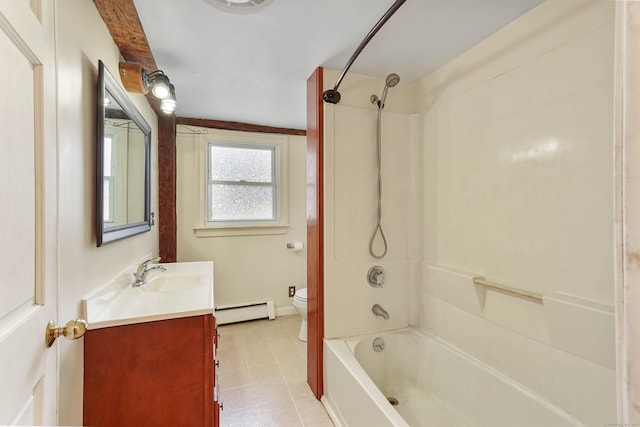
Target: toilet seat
301,295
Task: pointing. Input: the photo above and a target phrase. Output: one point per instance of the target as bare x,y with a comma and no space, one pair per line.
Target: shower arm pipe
332,95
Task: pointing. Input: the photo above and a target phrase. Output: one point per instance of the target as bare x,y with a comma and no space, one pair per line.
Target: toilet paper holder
295,246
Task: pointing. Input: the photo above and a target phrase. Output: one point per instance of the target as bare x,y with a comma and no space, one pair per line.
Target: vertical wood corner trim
167,218
315,232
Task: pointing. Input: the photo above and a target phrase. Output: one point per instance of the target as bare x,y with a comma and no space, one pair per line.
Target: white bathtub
434,383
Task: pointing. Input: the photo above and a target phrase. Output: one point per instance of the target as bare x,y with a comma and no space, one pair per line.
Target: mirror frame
107,83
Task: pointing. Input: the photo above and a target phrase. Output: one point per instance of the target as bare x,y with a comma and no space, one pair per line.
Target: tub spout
379,311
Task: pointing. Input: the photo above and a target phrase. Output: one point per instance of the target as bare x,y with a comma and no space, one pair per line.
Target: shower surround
499,164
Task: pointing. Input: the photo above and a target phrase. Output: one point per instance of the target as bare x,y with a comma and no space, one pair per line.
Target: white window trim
202,228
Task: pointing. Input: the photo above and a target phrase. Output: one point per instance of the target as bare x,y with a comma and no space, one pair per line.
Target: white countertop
184,290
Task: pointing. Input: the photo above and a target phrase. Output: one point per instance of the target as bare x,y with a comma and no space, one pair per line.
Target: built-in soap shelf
573,324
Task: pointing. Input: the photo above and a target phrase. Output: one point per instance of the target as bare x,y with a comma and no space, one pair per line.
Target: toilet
300,304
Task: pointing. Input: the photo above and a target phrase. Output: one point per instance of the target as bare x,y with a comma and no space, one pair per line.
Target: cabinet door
150,374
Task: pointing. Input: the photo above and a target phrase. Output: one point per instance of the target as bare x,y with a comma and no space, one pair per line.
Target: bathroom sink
179,289
173,283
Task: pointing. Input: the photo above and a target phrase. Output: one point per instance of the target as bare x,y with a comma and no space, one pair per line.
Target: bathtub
418,380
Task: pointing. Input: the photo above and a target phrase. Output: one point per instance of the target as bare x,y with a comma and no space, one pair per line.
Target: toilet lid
301,294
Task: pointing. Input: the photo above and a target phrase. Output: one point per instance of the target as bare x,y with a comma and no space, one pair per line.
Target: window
242,182
242,186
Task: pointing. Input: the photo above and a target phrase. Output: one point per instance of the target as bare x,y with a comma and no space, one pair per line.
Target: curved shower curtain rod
332,95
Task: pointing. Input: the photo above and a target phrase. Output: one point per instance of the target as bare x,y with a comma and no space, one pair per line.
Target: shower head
391,80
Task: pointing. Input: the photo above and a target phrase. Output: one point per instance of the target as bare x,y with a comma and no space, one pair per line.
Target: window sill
241,230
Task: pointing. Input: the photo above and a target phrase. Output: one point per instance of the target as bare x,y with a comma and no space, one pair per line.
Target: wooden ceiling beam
245,127
123,22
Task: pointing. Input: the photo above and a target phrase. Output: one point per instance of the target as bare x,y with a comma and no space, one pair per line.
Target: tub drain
393,401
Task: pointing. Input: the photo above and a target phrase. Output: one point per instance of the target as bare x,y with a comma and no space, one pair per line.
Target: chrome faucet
140,275
379,311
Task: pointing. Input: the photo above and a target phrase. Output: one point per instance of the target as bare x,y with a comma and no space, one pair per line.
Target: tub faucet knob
376,276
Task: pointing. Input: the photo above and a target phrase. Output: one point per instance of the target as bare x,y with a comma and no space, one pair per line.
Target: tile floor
262,376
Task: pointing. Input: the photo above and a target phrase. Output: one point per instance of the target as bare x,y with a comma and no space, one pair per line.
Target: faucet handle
150,261
142,267
376,276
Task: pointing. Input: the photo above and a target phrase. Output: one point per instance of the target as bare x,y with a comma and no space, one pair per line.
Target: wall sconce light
137,79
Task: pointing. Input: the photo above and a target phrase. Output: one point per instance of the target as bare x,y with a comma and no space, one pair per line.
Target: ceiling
252,68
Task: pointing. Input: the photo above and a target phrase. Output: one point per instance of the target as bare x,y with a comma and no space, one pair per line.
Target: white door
28,210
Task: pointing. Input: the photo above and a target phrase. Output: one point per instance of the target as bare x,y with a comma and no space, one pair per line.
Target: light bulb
169,104
160,91
160,86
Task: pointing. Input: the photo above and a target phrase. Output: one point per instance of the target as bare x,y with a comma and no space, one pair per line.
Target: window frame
204,228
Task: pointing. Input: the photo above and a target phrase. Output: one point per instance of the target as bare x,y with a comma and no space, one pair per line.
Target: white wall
247,269
81,40
350,203
517,186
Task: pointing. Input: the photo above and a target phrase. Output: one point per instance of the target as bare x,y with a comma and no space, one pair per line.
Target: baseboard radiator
244,312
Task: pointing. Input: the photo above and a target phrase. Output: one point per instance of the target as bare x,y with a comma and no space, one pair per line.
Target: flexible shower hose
378,228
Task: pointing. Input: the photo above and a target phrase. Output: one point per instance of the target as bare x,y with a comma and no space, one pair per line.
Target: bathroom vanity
150,352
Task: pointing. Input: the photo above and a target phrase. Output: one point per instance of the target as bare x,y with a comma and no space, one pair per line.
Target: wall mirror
123,163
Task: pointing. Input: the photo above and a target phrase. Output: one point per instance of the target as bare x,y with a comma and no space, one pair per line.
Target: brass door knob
74,329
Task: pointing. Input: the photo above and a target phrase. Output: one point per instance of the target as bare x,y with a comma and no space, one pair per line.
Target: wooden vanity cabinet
159,373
